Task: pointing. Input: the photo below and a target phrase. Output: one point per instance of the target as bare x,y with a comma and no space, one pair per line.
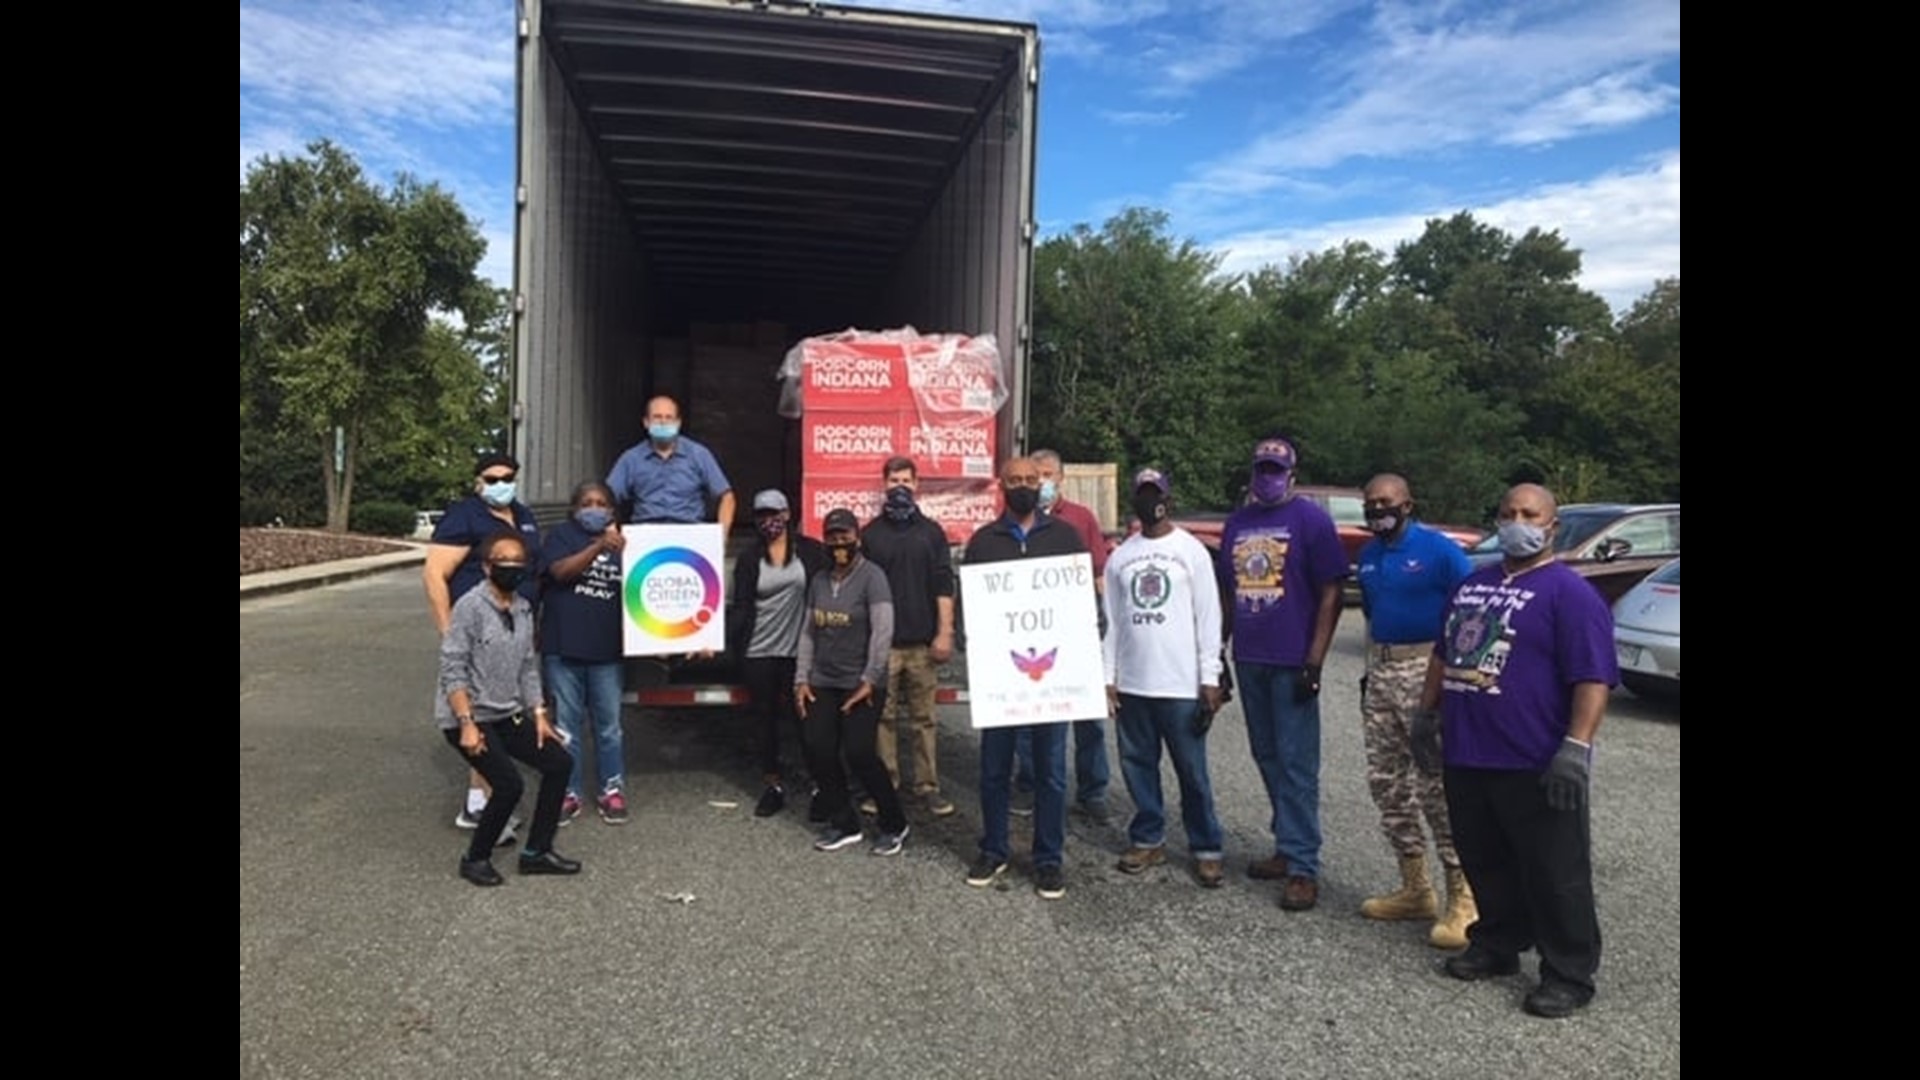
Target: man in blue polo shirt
1407,573
669,478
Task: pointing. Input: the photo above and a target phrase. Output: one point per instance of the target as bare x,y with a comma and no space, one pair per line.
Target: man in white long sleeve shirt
1162,653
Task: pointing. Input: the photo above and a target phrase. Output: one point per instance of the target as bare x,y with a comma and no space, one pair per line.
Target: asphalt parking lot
702,942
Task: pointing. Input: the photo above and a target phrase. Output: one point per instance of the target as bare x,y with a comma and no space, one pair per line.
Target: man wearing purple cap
1162,654
1285,564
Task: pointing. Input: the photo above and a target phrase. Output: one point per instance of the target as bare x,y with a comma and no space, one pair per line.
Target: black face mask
842,553
1150,507
1382,520
1022,500
899,505
507,577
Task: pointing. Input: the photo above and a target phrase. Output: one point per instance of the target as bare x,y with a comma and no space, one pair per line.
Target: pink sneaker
569,809
613,808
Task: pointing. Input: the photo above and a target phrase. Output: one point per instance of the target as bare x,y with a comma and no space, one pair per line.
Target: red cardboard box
959,447
854,376
859,444
960,506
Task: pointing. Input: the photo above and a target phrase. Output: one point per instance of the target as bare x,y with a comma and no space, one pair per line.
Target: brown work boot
1136,860
1451,931
1299,893
1274,869
1209,873
1414,899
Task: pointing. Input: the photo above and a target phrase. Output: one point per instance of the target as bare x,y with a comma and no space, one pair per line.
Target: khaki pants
912,678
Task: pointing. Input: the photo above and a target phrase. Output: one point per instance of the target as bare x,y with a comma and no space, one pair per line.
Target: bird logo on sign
1034,665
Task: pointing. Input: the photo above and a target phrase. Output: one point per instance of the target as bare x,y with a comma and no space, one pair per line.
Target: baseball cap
493,458
770,499
1276,451
841,519
1154,478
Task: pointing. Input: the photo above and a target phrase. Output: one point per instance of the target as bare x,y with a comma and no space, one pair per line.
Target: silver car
1646,634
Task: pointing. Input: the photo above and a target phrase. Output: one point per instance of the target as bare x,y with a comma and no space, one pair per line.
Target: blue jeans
1091,771
1049,743
1145,723
1285,739
578,688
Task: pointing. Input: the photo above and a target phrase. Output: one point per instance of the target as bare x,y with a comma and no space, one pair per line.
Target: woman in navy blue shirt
580,644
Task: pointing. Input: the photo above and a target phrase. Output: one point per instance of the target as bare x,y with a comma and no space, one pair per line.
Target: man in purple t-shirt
1520,678
1282,558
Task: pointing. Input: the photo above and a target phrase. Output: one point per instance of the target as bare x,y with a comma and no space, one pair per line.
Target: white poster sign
1033,642
670,592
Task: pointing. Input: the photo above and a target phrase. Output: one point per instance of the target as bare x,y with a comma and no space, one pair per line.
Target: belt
1409,651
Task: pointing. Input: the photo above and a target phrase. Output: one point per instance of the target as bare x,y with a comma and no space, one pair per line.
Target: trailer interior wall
582,340
967,270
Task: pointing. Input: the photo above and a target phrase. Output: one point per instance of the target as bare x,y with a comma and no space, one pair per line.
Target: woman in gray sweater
491,709
840,683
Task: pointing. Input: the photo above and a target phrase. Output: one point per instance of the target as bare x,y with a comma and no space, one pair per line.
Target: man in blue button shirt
1407,574
669,478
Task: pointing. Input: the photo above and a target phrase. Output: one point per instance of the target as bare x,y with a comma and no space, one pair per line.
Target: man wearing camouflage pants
1407,573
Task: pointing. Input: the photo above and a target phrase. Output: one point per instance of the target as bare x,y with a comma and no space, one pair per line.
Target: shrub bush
382,519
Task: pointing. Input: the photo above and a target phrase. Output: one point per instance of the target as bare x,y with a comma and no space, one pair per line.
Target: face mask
1522,540
1270,488
508,577
500,494
1382,520
771,528
1049,493
1022,500
1150,507
663,433
593,518
899,503
843,552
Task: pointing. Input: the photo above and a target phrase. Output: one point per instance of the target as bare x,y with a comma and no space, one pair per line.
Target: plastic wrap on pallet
959,506
932,375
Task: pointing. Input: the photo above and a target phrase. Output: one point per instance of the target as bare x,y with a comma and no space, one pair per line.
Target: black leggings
506,741
770,682
828,734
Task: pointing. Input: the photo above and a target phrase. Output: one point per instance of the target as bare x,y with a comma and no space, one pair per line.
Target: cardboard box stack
864,397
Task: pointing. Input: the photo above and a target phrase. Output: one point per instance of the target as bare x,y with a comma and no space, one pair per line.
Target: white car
424,523
1646,634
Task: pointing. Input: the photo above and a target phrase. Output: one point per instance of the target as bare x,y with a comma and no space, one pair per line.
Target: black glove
1425,741
1566,776
1307,686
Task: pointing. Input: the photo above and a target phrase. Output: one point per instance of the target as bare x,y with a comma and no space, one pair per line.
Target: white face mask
500,494
1522,540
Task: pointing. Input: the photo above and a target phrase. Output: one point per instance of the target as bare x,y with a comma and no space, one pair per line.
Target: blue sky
1266,128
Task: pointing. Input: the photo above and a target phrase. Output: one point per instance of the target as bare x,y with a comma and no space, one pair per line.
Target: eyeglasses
504,479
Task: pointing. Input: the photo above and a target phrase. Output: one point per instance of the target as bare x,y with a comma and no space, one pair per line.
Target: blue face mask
1049,493
593,518
663,432
500,494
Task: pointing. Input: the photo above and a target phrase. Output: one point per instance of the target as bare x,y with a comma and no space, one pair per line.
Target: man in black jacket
1023,532
912,549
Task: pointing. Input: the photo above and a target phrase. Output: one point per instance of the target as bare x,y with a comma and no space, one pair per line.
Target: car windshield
1576,527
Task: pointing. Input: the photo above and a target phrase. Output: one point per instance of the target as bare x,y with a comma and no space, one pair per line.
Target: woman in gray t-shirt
840,683
765,608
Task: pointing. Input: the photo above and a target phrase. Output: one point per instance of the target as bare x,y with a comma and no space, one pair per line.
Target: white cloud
1124,118
1420,84
1625,224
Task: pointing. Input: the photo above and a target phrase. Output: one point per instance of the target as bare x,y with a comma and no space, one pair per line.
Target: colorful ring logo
672,593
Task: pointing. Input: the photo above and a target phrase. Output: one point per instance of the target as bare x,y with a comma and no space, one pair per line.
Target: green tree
1135,334
339,284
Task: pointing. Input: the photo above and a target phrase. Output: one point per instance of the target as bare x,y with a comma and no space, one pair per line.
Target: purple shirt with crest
1276,559
1513,651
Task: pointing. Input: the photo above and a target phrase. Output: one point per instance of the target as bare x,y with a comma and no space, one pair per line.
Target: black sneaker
890,843
1555,999
772,801
985,871
1022,804
1050,882
1481,963
833,838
